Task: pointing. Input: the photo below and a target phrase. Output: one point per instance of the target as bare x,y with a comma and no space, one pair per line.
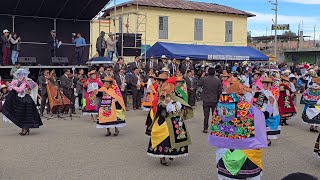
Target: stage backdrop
38,30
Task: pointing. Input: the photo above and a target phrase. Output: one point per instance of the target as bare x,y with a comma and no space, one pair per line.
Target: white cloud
262,18
303,1
257,25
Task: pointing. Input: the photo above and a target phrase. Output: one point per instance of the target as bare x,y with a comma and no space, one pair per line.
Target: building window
229,31
163,27
198,29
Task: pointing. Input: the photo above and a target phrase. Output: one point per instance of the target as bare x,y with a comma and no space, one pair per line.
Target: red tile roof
185,5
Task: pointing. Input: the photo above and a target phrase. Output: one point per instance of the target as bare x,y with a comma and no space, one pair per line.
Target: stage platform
46,67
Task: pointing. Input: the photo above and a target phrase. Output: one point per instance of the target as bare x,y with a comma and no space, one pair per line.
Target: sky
303,13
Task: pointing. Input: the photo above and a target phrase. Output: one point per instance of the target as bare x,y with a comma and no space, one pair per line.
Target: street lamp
275,23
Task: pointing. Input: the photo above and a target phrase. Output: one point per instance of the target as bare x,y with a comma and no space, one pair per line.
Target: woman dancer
19,107
264,100
311,99
238,131
150,92
91,86
111,107
169,135
286,106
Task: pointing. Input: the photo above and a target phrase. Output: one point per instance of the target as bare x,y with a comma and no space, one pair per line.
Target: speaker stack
131,44
27,60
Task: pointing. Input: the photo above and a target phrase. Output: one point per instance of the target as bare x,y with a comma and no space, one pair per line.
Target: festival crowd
244,104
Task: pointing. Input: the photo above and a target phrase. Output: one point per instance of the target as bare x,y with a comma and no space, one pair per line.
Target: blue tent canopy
206,52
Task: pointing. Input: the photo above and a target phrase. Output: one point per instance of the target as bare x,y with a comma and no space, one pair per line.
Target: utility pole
314,35
275,9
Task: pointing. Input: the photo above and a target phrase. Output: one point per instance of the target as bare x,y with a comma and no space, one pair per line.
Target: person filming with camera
80,44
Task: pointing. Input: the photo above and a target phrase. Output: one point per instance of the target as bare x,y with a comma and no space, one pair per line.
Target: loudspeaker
27,60
129,42
59,60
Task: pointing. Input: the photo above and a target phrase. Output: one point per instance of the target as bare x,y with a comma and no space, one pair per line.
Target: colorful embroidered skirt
273,127
90,104
118,123
169,138
311,114
238,164
286,106
317,146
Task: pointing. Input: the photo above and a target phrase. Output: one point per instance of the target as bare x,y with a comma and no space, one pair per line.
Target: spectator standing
136,82
14,69
151,64
5,39
79,87
80,45
111,45
119,65
163,63
101,44
191,87
15,47
187,65
211,92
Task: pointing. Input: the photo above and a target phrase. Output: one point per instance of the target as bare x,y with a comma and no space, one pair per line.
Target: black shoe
315,130
205,131
285,123
311,129
26,132
164,162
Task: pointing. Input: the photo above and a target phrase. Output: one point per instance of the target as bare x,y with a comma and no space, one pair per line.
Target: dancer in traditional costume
238,131
19,107
150,118
181,88
149,93
91,86
286,106
111,106
169,135
311,99
225,80
256,85
264,100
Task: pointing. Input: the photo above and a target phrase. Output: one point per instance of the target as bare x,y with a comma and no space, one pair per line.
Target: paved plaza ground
65,149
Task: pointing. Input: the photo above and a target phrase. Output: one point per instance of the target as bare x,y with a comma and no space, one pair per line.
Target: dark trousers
43,102
136,97
192,98
206,112
70,95
124,96
5,55
79,55
101,53
80,100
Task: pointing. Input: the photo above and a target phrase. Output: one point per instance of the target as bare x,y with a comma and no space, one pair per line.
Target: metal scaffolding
140,26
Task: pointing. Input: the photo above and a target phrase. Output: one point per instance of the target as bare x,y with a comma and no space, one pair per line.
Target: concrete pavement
65,149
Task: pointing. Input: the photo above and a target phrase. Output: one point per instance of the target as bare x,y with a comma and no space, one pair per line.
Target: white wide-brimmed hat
21,72
163,57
